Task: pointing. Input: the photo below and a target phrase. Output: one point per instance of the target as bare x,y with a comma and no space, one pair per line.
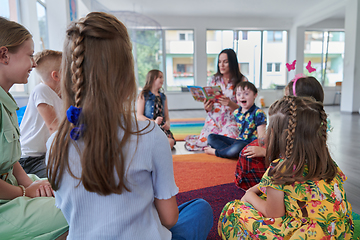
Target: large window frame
175,65
257,69
322,60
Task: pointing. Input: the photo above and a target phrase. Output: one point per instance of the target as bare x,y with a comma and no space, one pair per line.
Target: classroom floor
343,143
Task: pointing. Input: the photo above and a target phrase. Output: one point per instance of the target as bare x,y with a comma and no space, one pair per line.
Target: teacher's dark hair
235,75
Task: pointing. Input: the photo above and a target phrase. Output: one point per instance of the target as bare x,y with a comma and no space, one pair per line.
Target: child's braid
323,128
78,50
291,128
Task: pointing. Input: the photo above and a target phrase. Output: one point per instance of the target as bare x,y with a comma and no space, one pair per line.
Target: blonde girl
113,176
24,215
152,104
301,195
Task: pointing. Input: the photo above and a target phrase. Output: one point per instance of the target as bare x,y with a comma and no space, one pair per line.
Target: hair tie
294,86
73,114
297,76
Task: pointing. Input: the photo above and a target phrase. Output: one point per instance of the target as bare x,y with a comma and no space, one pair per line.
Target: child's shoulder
43,88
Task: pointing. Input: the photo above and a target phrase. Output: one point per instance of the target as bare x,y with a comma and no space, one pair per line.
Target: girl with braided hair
27,205
301,195
113,175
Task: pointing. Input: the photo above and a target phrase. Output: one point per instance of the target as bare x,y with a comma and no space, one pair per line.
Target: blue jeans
226,147
195,221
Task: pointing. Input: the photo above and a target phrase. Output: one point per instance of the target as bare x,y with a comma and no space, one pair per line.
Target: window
216,41
325,50
274,36
277,67
269,67
244,35
5,9
42,19
179,59
182,36
274,52
147,52
260,60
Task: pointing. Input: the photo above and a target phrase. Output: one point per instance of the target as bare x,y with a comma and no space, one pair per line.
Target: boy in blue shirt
251,122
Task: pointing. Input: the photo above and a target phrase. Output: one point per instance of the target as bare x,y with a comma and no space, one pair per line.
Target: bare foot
210,150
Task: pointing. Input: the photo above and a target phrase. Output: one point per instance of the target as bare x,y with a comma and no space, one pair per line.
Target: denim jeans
226,147
195,221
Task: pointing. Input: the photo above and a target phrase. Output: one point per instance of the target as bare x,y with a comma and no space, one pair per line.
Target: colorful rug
209,177
186,126
200,170
217,197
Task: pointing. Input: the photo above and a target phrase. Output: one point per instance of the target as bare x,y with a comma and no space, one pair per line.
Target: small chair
337,91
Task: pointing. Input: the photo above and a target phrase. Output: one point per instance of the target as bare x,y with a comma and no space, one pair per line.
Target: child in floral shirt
301,195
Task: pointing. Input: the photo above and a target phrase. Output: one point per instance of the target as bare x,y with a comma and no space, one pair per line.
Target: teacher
220,119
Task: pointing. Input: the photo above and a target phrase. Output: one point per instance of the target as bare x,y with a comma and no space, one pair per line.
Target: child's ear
55,75
4,55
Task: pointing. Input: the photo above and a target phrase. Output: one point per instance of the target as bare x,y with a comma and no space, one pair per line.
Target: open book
212,93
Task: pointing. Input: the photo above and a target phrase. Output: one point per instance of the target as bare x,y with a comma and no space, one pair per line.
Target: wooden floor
343,143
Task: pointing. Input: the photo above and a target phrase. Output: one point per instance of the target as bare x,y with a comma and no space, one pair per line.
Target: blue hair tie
73,114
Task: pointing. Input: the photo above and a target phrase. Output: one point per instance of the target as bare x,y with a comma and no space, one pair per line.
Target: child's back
301,195
42,113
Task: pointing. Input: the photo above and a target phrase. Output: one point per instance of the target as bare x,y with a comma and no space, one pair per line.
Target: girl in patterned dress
152,104
301,195
220,119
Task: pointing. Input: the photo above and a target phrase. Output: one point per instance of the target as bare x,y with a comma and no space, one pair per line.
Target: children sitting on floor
27,206
153,105
251,122
251,164
42,113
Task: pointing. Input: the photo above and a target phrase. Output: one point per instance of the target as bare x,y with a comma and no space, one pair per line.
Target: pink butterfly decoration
291,66
310,68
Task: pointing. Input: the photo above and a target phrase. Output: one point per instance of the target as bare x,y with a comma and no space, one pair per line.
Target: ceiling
222,8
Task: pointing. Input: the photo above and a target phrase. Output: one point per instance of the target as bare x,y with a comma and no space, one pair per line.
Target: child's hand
208,105
254,151
159,120
40,188
166,126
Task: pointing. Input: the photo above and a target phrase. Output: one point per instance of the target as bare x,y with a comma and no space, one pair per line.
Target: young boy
251,122
42,113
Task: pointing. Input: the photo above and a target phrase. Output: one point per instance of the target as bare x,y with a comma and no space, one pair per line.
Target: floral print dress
313,210
219,121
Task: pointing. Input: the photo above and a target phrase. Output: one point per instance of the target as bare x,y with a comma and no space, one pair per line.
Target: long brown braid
291,128
78,49
297,133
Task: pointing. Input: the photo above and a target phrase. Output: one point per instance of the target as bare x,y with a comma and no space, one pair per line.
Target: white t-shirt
130,215
33,130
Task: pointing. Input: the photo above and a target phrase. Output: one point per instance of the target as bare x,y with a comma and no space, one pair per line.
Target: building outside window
263,58
277,67
325,50
269,67
179,59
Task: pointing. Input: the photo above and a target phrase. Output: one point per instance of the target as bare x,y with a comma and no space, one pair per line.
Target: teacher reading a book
219,118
